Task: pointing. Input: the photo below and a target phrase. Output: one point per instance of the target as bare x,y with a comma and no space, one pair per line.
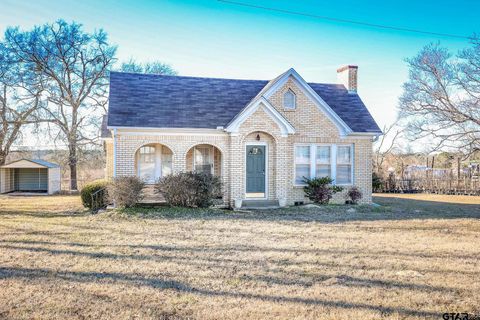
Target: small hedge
91,188
190,189
353,195
320,190
126,192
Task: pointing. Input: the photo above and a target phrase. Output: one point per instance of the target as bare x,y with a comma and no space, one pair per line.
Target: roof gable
285,127
30,163
343,128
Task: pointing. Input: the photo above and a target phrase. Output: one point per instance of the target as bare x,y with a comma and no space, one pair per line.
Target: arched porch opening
153,161
204,158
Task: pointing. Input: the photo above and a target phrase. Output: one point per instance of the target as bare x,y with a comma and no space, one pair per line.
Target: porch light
258,137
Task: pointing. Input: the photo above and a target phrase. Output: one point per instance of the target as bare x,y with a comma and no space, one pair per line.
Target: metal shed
30,175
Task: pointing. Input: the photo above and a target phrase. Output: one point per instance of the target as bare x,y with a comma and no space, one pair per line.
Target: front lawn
411,258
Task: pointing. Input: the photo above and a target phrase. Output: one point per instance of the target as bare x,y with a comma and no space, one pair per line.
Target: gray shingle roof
349,107
138,100
44,163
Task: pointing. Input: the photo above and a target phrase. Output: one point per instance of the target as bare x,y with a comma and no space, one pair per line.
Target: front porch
155,160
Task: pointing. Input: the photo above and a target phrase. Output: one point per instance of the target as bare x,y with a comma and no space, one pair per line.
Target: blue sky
210,38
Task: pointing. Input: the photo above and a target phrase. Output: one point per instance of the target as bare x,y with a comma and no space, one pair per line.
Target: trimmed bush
377,182
353,195
320,190
91,188
190,189
126,192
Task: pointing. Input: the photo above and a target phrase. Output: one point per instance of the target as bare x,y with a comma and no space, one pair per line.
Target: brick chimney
347,75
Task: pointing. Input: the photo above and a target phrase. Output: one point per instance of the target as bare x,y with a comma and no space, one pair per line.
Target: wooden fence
441,185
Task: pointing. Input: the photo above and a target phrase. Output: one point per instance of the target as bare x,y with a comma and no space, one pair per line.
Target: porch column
179,158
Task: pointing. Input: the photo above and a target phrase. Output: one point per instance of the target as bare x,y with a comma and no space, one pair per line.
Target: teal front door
256,169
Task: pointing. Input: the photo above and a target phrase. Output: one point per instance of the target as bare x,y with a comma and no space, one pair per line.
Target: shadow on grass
224,256
232,250
45,213
389,209
159,283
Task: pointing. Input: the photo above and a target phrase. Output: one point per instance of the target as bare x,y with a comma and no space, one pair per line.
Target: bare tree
441,99
385,145
20,99
156,67
74,66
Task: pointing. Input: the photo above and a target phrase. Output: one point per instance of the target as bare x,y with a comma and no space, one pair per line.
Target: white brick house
260,137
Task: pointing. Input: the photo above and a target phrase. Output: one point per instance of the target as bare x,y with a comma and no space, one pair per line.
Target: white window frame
333,161
312,172
351,145
331,157
294,100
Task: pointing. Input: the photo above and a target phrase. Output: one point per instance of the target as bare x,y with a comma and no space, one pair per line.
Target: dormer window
289,100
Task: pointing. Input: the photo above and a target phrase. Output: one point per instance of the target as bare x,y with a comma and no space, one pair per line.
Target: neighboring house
261,137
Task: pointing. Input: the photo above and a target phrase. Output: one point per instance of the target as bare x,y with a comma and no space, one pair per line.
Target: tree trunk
72,163
3,157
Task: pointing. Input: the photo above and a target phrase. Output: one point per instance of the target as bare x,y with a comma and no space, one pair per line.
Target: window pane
301,171
202,155
302,154
166,164
344,174
323,154
147,154
343,154
203,160
323,170
289,100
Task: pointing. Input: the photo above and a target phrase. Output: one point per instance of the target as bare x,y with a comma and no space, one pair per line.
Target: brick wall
108,159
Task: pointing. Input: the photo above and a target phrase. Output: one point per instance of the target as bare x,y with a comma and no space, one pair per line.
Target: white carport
30,175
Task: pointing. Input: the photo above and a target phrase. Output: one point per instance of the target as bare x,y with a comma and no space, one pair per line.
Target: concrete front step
151,198
260,204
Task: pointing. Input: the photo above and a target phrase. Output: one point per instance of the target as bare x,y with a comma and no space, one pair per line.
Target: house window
323,163
203,159
289,100
344,165
147,154
302,164
316,161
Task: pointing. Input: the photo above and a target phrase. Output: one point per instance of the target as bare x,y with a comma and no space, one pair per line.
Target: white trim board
150,131
22,164
285,127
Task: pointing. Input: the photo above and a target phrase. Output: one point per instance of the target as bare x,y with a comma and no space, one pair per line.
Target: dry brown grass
409,259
